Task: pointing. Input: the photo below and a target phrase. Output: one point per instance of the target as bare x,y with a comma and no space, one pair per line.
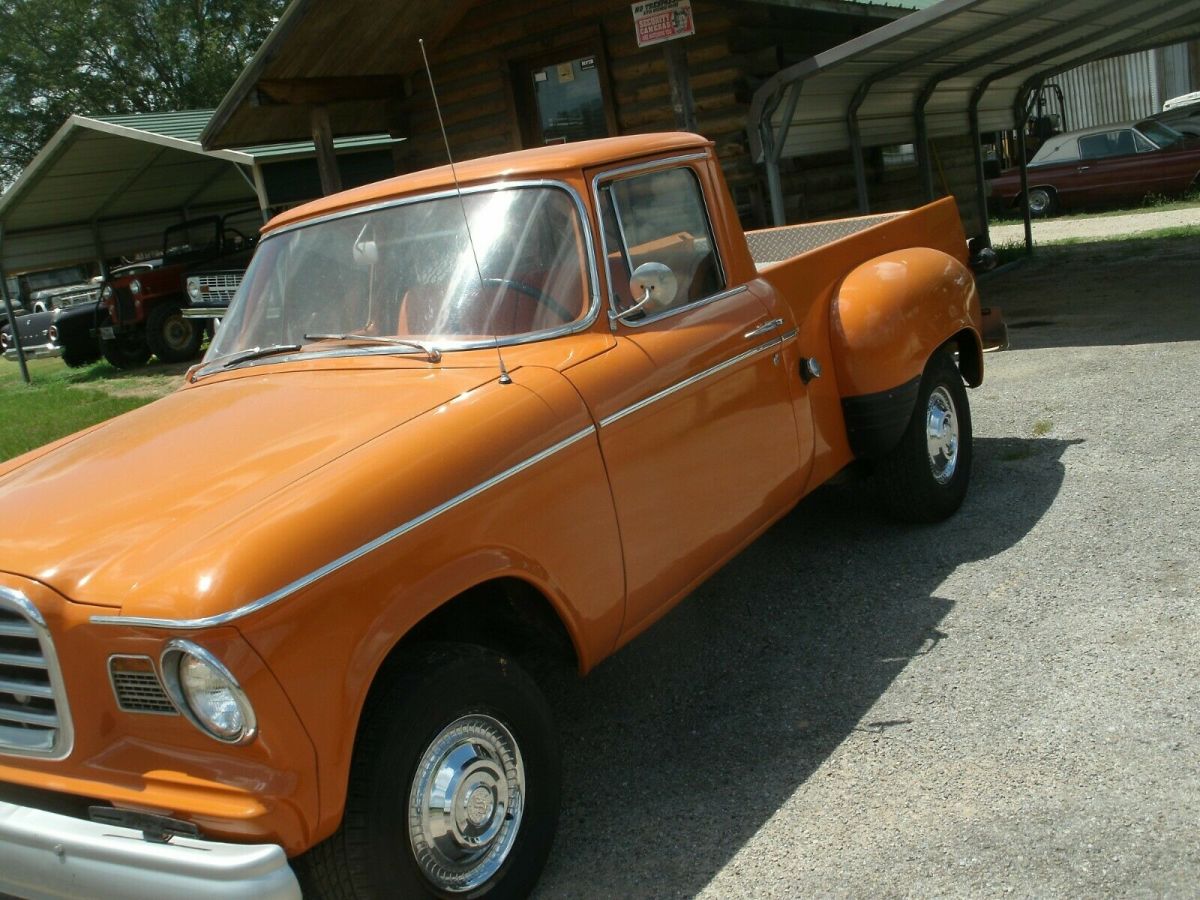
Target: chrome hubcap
466,801
941,435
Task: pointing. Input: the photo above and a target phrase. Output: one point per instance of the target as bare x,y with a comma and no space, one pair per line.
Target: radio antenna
505,378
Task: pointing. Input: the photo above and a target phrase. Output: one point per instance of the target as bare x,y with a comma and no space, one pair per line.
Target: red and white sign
655,21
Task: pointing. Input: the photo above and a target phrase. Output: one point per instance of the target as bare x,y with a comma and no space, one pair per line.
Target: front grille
33,716
136,686
218,289
69,300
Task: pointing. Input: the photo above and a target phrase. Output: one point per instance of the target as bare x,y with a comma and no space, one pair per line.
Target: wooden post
322,134
681,86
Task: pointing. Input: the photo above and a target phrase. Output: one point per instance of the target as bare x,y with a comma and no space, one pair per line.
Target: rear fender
889,316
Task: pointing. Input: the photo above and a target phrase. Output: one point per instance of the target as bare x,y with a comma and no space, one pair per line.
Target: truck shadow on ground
678,749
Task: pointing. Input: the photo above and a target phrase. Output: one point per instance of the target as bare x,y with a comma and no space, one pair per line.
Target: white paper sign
655,21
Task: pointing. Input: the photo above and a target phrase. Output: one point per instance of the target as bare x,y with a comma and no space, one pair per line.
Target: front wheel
454,785
1042,203
924,478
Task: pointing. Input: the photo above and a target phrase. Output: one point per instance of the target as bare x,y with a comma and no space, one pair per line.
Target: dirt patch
1100,228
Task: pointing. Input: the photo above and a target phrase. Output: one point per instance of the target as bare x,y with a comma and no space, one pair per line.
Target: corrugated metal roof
125,175
947,52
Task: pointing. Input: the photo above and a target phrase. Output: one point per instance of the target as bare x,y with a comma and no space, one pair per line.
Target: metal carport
958,67
108,186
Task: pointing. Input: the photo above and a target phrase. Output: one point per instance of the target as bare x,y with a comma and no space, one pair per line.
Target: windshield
408,271
1162,135
190,239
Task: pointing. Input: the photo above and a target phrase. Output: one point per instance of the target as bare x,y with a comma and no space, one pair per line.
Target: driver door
694,408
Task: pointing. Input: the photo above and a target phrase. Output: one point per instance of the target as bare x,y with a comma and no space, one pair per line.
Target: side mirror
654,282
366,251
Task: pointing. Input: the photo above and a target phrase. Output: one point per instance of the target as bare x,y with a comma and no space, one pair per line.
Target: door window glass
570,103
1110,143
660,217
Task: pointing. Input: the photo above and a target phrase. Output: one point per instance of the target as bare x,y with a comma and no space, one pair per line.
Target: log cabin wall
482,69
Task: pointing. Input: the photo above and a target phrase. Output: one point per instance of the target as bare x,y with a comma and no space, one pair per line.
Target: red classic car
1098,166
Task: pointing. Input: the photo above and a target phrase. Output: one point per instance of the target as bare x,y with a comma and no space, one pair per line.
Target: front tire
454,784
171,337
925,476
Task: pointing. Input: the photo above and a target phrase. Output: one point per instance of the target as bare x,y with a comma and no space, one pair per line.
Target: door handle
763,328
1083,168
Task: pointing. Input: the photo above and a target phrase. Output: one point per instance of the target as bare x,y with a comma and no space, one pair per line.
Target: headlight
4,341
207,694
193,289
135,287
107,293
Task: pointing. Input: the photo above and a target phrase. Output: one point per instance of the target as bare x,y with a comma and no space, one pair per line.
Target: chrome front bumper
42,351
47,855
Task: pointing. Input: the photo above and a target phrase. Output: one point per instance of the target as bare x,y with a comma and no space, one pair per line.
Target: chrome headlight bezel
193,289
174,655
135,287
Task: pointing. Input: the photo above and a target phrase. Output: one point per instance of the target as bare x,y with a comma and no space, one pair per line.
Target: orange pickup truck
449,425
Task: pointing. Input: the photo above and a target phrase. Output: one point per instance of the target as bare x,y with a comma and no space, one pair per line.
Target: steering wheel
536,294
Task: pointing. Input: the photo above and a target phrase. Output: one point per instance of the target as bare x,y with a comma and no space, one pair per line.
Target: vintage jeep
144,311
292,649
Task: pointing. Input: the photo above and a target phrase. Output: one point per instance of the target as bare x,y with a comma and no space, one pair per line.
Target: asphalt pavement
1005,704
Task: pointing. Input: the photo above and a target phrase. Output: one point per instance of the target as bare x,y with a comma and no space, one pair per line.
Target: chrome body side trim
64,737
346,559
688,382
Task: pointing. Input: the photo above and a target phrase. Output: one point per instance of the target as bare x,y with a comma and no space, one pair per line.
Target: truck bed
769,245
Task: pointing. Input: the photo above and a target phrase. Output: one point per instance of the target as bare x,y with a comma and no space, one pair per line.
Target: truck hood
120,507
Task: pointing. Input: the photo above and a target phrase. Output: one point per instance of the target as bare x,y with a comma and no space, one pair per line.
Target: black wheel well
505,614
970,356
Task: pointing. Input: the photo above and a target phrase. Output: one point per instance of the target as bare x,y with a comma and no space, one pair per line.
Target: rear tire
171,337
925,476
1042,203
476,719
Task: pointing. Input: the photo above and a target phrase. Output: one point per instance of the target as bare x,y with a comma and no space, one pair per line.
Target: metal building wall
1124,87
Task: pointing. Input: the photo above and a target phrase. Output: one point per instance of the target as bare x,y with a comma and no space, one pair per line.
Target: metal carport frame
957,67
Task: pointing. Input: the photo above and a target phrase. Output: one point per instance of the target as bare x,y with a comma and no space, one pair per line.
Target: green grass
61,401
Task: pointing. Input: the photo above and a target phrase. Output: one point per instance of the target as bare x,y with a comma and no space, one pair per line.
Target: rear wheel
925,476
454,785
171,337
1042,202
127,350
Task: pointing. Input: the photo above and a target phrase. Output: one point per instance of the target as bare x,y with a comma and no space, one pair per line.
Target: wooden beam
322,135
681,88
320,91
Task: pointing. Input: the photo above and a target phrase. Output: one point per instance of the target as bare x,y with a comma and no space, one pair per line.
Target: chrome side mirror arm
653,280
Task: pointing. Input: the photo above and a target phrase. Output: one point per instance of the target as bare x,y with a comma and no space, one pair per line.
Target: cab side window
660,217
1110,143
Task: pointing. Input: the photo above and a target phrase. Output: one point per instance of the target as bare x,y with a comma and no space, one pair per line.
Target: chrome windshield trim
688,382
589,250
345,560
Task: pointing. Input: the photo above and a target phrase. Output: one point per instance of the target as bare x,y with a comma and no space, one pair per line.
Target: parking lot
1006,704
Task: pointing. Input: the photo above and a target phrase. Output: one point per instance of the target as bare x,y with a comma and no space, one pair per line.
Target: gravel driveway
1007,704
1097,228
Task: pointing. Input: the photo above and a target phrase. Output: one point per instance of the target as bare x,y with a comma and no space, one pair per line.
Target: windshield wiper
256,352
432,353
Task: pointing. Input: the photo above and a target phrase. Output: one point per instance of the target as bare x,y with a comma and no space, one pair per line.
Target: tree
95,57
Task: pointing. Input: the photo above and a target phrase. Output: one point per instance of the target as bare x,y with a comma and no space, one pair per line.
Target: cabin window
660,217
